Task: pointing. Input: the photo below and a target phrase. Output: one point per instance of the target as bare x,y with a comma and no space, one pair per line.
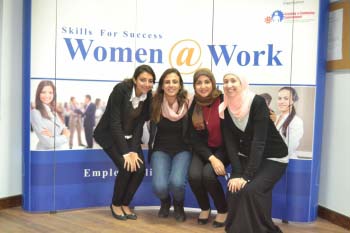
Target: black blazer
110,130
260,140
153,133
199,138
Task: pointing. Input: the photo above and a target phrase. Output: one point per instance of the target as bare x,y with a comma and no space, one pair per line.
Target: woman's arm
295,132
199,144
260,116
231,143
117,97
40,127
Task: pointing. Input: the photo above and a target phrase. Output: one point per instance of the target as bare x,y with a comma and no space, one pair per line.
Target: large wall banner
76,50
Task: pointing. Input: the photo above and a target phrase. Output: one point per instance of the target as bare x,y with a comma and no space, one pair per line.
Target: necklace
208,118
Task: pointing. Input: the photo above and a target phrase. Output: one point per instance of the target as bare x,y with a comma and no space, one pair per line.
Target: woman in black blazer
119,133
209,159
258,157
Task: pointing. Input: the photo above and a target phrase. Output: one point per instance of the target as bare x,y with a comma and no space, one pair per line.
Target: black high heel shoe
217,224
131,216
203,221
122,217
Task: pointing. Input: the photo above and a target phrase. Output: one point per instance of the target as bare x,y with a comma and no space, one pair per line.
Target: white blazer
295,132
54,125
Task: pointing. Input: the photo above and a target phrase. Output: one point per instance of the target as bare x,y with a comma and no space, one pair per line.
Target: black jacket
199,138
260,140
110,131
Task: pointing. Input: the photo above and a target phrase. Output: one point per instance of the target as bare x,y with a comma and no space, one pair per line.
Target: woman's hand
136,159
236,184
217,165
129,163
66,132
132,162
46,133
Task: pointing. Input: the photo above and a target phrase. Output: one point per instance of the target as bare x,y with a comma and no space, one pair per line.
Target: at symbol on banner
185,55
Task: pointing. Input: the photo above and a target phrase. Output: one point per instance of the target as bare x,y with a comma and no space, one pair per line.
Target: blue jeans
169,174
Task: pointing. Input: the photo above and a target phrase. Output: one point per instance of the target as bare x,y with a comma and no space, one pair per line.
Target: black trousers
249,210
203,180
126,183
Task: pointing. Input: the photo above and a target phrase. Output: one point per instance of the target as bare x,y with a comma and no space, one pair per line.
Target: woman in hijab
209,159
258,157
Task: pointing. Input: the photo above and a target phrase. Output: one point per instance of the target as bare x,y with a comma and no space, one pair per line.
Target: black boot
164,208
179,211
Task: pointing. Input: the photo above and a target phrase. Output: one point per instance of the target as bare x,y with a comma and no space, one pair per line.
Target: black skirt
249,210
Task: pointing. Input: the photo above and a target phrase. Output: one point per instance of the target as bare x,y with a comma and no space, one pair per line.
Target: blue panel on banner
42,198
291,193
76,196
42,174
89,178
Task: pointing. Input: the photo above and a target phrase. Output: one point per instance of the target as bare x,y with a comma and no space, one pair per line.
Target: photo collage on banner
77,57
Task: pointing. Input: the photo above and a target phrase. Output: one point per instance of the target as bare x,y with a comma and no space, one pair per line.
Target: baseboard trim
9,202
334,217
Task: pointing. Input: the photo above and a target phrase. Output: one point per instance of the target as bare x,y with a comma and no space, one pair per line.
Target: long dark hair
39,105
292,113
157,100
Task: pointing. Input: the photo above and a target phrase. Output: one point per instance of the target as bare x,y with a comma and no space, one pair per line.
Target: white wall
334,190
10,98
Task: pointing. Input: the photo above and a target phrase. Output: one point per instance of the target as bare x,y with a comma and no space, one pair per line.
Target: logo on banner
279,16
276,17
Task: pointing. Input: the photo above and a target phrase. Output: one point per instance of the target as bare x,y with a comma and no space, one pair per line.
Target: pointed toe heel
132,216
203,221
122,217
217,224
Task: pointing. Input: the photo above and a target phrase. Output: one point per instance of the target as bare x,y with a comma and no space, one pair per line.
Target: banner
76,52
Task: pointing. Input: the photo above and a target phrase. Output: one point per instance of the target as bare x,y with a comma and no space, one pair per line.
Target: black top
111,128
199,138
169,137
154,131
134,113
259,140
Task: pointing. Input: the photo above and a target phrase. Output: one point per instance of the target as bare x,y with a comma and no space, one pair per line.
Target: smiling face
284,101
46,95
143,83
171,85
232,85
203,86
